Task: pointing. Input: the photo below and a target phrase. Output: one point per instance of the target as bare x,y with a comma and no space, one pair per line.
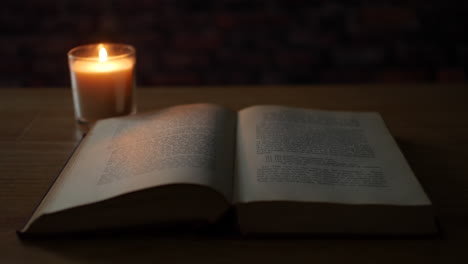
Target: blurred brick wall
181,42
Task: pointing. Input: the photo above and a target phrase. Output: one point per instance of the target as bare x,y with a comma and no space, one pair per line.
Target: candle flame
102,54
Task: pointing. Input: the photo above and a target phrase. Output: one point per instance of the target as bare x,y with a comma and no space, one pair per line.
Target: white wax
103,89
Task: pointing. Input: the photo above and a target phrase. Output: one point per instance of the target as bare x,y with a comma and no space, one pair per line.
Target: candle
102,82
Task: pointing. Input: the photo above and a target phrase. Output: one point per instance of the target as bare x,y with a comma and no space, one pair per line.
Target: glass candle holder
103,82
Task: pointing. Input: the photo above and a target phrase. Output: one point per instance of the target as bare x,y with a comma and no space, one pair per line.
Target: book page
292,154
183,144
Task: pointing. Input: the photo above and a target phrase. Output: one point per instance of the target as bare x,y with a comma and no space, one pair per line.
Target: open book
283,169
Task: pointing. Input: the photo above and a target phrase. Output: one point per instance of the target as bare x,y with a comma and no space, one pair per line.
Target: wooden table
430,123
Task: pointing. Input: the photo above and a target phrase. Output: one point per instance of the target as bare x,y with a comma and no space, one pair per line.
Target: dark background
223,42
